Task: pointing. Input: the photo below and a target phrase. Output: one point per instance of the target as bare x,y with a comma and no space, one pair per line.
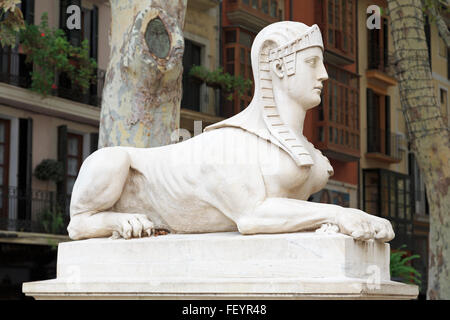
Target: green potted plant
400,266
51,221
51,53
49,170
221,80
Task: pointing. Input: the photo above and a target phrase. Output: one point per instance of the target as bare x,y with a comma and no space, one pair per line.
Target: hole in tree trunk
157,38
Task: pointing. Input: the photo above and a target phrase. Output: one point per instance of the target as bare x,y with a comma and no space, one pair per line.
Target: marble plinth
223,266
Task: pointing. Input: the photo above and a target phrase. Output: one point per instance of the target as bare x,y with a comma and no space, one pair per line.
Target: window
273,8
4,166
419,196
13,69
388,194
74,159
89,26
89,32
379,136
74,36
268,7
339,32
191,89
237,61
378,46
265,6
25,167
338,112
27,8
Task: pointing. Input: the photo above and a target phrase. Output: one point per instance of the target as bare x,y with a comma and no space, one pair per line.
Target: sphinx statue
251,173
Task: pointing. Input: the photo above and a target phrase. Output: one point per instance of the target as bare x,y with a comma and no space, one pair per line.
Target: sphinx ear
278,68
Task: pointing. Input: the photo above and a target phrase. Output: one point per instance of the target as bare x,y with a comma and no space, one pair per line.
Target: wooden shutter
385,43
4,165
387,115
370,119
191,89
62,157
93,41
25,170
74,36
27,8
94,142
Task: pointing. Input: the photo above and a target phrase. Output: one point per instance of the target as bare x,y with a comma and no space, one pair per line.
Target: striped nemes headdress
287,52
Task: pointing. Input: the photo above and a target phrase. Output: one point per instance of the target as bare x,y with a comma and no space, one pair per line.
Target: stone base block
223,266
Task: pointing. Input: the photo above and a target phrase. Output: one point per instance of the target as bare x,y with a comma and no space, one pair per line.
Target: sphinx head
287,57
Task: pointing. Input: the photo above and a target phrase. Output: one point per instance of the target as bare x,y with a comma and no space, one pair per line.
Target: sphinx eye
311,61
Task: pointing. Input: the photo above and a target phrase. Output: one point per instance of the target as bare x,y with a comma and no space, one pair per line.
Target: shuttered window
25,169
74,159
74,36
191,89
4,166
237,58
27,8
380,139
378,46
339,26
62,157
89,31
388,194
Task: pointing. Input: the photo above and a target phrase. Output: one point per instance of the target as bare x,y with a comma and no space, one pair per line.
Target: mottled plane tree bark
142,92
428,134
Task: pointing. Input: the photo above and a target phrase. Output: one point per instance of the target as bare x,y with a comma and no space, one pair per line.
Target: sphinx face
306,84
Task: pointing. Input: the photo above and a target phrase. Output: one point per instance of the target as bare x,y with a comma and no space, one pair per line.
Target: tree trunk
428,134
441,25
142,93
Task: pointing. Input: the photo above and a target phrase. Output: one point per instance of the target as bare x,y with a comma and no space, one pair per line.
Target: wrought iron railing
32,211
385,142
14,71
92,96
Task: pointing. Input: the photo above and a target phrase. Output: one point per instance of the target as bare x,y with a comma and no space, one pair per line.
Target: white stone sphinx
253,172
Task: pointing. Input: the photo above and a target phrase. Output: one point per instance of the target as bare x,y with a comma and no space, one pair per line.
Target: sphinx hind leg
98,187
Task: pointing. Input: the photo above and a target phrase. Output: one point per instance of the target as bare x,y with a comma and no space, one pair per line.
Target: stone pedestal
223,266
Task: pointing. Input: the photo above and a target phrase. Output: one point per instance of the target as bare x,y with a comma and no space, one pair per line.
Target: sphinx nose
322,74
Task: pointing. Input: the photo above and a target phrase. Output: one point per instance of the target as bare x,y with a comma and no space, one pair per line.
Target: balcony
253,14
32,211
92,96
14,71
384,146
379,67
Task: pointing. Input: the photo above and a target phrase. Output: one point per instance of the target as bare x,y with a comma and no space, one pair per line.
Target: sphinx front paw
328,228
132,225
363,226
